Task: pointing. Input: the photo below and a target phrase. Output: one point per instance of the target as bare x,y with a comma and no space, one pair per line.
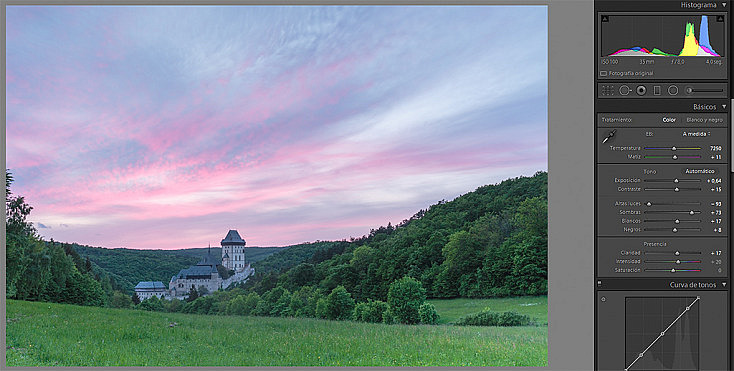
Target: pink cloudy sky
164,127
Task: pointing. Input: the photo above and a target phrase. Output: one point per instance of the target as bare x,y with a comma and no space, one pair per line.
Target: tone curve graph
662,333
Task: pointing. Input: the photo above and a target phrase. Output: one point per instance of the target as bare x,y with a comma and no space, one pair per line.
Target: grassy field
47,334
452,309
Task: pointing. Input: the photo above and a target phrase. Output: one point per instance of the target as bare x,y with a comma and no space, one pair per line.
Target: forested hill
292,256
486,243
127,267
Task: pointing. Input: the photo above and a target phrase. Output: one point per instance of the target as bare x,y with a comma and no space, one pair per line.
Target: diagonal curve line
661,334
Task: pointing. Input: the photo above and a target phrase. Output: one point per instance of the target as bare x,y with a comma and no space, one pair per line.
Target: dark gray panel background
571,185
571,59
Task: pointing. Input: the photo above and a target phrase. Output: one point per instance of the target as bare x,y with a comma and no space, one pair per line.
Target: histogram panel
664,35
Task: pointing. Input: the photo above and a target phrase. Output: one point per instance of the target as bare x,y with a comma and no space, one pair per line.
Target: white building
148,289
233,251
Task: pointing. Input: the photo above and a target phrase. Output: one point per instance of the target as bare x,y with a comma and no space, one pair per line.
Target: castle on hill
204,275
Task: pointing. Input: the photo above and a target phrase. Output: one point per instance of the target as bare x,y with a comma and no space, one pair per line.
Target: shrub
201,305
281,307
310,309
251,301
193,295
339,304
262,308
513,319
299,301
489,318
120,300
236,306
388,317
427,313
321,311
152,304
272,296
374,311
404,297
274,303
82,289
358,313
173,305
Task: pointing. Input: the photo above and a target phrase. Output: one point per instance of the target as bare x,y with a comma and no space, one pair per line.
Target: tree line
491,242
488,243
45,271
406,303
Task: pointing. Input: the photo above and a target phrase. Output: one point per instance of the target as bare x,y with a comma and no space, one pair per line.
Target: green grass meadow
452,309
47,334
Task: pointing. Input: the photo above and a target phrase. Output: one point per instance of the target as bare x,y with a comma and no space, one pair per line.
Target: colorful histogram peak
691,46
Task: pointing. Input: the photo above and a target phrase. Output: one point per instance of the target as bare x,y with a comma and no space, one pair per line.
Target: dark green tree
321,310
262,308
301,275
193,295
174,305
405,298
120,300
282,307
20,240
236,306
374,311
339,304
358,313
427,313
152,304
82,289
299,302
251,301
223,272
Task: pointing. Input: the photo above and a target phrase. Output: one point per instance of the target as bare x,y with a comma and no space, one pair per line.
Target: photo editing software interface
663,167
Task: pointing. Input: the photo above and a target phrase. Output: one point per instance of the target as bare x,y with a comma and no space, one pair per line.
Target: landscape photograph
250,186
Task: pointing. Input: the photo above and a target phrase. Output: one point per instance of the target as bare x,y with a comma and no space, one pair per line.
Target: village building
148,289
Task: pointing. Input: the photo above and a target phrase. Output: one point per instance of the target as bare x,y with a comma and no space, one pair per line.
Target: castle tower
233,251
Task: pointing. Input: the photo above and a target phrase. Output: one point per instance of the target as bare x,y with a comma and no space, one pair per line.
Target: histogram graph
663,36
662,333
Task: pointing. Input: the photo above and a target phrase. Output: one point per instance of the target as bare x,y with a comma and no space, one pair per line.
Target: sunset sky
164,127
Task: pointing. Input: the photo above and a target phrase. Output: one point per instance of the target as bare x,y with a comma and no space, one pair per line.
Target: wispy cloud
163,127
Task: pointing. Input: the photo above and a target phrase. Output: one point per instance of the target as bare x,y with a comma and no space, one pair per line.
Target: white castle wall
240,276
212,284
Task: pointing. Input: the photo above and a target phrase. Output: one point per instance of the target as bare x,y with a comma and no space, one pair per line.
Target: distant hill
292,256
490,242
127,267
130,266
